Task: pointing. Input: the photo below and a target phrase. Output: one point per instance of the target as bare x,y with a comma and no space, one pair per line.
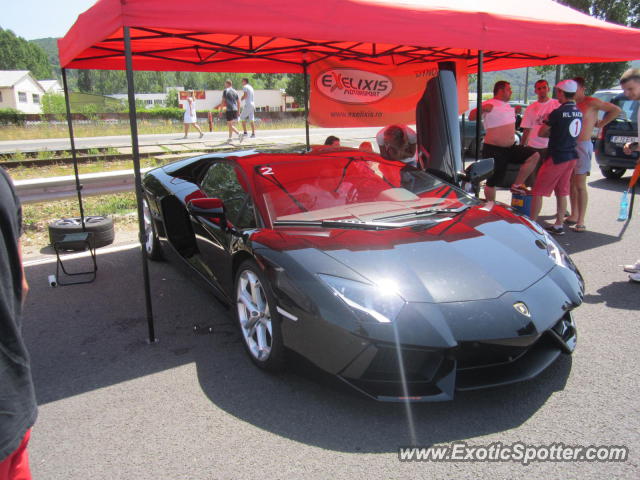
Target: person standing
231,103
249,109
563,128
534,117
499,120
630,83
589,106
190,117
18,409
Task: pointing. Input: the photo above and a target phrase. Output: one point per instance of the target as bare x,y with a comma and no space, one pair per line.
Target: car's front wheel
257,317
612,172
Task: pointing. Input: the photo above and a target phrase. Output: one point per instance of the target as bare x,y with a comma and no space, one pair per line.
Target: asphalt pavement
352,137
192,406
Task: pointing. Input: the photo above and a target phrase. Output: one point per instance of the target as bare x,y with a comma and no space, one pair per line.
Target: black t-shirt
231,98
17,398
566,123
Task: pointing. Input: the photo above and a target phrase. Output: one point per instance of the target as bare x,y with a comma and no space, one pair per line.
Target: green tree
622,12
295,87
172,98
16,53
270,81
85,81
53,103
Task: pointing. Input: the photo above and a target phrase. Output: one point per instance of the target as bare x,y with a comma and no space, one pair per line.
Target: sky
31,19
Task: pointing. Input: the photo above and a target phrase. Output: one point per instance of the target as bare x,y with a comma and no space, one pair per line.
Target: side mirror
478,171
211,208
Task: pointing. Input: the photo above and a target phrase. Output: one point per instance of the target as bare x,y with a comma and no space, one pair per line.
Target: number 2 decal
266,171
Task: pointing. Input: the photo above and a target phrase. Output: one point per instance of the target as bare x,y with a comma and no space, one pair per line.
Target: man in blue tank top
563,128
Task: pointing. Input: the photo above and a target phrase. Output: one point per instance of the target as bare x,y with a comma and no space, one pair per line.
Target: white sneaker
240,137
635,277
635,268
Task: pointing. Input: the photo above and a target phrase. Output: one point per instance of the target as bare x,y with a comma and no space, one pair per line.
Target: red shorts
16,465
554,178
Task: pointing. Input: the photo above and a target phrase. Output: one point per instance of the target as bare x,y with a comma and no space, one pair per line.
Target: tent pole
526,87
138,180
479,102
73,147
306,102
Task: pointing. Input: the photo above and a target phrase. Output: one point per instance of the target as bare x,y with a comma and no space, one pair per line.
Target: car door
438,128
216,242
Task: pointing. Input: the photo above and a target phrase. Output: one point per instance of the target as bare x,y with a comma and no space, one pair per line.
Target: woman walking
190,117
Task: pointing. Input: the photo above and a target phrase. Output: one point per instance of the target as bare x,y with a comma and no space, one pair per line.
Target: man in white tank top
499,120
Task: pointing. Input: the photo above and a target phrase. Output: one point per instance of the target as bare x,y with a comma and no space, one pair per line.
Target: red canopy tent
280,35
288,35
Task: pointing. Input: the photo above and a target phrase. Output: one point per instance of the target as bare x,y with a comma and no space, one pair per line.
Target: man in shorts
499,120
589,106
534,117
630,83
562,127
249,108
231,103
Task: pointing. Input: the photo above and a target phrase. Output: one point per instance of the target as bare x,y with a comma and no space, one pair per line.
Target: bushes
11,116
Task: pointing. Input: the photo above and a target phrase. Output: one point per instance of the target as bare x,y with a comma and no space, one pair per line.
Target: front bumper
387,372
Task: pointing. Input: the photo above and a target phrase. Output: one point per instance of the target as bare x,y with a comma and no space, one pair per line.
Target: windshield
629,108
358,188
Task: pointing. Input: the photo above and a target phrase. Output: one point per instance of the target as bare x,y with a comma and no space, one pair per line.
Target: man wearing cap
563,128
589,106
499,120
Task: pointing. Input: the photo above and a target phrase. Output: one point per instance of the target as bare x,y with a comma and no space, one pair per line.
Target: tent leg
306,103
73,147
479,102
138,180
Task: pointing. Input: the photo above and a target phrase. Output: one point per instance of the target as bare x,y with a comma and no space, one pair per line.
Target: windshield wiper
351,224
271,178
426,211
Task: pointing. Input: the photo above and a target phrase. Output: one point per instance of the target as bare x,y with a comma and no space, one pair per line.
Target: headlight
371,303
557,253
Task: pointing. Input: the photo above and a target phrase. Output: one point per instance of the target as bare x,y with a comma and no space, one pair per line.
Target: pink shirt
501,114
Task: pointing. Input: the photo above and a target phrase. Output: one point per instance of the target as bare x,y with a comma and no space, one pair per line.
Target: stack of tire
100,226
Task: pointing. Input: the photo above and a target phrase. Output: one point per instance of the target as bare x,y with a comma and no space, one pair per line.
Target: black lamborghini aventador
388,276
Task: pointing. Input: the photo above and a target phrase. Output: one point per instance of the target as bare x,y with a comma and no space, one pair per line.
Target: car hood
476,255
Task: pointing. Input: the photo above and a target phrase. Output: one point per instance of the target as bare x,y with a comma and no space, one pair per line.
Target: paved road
192,406
353,137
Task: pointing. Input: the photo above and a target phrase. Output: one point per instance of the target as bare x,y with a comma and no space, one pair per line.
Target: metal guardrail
55,188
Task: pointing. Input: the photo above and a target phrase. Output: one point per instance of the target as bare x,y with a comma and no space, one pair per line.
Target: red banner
372,96
197,94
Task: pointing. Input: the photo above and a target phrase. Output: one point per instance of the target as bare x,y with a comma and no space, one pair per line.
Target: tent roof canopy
281,35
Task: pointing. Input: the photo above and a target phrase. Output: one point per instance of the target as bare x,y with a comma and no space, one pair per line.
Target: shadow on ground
86,337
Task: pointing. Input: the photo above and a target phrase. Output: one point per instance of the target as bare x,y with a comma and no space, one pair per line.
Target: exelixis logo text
349,85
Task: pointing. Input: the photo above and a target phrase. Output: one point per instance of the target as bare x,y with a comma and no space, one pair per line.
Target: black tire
612,172
152,246
100,226
274,359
